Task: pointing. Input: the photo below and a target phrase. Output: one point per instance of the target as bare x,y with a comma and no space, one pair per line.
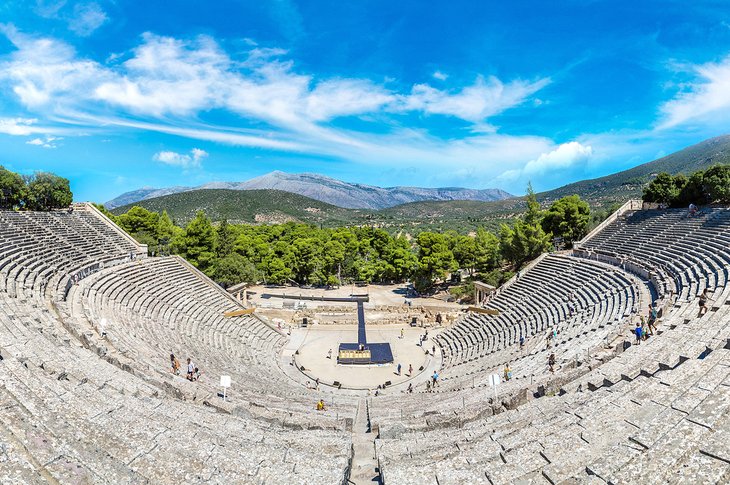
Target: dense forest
310,255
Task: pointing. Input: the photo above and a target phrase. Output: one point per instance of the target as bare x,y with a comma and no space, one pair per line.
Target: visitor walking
175,364
435,378
191,370
398,369
704,297
653,314
410,370
551,362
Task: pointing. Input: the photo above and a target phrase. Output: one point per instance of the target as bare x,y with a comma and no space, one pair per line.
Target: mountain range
258,206
325,189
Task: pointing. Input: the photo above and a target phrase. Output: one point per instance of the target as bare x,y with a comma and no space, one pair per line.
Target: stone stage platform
373,353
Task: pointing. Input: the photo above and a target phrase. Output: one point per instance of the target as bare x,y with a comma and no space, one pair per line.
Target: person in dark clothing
704,297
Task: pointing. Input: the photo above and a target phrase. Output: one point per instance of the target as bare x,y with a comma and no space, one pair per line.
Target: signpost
225,384
494,381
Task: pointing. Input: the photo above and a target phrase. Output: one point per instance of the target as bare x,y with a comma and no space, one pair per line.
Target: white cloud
564,156
474,103
164,84
167,76
86,18
331,99
44,71
185,161
440,75
49,8
17,126
46,142
705,100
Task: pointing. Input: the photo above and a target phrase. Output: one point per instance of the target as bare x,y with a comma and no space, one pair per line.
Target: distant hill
249,207
260,206
326,189
142,194
629,183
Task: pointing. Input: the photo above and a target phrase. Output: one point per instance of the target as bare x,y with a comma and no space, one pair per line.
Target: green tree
225,239
465,252
105,211
234,269
276,271
333,255
307,258
487,255
139,220
48,191
435,259
527,240
142,225
166,232
567,217
692,192
13,191
662,189
716,182
401,259
199,243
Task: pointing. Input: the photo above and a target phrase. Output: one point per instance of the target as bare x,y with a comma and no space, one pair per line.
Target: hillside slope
629,183
249,206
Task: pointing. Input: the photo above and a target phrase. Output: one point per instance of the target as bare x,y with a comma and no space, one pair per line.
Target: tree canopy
527,239
701,187
41,191
567,218
13,190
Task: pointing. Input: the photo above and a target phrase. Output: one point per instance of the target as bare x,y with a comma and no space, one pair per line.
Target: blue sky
116,94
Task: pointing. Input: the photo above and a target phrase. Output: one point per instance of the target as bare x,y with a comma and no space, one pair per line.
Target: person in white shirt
191,370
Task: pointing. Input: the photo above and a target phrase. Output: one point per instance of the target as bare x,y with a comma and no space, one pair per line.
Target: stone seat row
658,427
159,305
540,300
84,420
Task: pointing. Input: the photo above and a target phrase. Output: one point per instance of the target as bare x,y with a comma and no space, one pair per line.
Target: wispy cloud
86,18
484,98
440,76
17,126
48,8
167,76
183,160
168,85
707,98
83,19
45,142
